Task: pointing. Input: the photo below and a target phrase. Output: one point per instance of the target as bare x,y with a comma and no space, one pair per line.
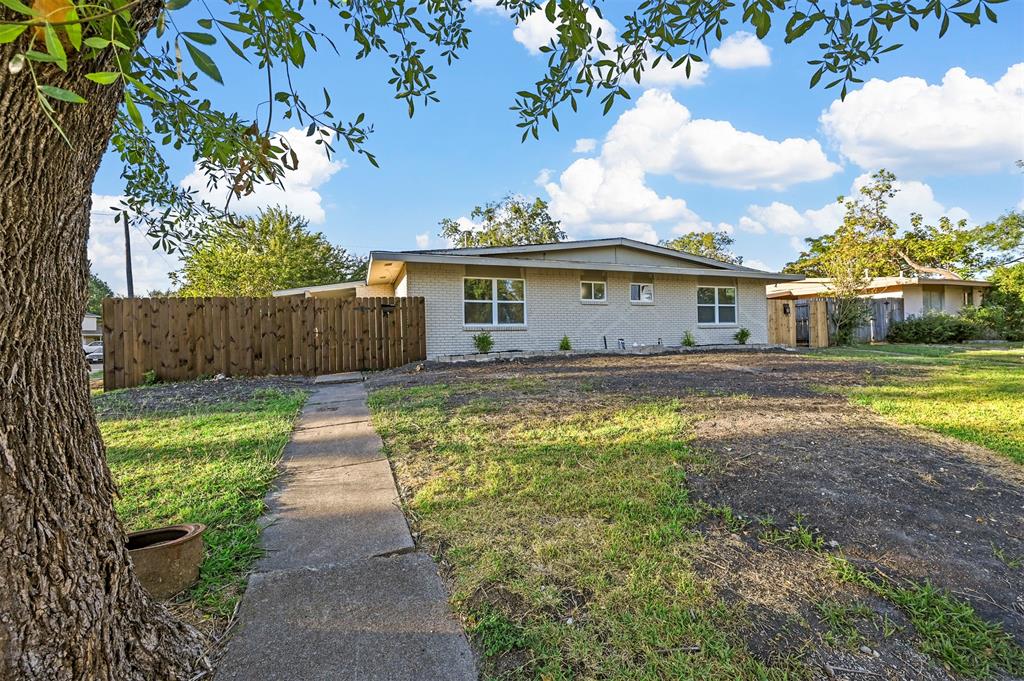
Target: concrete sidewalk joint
342,592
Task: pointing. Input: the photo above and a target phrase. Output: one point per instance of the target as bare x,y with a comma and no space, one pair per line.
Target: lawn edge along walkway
342,592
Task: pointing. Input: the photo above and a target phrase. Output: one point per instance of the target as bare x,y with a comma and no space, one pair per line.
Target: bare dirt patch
907,503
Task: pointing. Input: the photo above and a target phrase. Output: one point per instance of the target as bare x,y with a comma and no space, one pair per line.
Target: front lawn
208,462
569,533
973,393
689,517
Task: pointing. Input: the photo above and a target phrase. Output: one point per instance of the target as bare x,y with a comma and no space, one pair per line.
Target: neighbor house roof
558,256
318,289
818,286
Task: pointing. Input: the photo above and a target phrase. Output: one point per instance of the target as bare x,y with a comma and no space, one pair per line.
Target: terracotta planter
167,559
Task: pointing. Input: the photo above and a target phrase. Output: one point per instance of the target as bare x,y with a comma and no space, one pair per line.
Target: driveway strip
341,592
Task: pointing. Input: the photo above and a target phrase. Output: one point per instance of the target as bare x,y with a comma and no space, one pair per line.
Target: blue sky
744,146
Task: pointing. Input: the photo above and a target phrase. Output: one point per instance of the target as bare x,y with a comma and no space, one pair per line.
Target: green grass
972,393
212,466
570,534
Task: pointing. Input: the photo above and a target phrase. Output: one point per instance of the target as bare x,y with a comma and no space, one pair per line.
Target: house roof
547,258
816,286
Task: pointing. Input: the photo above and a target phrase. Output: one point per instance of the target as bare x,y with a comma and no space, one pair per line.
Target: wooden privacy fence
798,322
182,338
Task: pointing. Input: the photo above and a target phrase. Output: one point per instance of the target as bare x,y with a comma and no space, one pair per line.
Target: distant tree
256,256
714,245
161,293
1005,301
98,290
513,221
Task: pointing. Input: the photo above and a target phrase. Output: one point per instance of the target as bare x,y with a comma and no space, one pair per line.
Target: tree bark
70,604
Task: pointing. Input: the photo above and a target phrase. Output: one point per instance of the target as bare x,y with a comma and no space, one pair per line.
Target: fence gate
803,330
182,338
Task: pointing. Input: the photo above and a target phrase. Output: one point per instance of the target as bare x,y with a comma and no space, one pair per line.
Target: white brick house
601,293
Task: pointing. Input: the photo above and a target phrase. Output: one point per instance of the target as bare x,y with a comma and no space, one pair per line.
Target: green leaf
10,32
203,62
103,77
550,9
176,4
201,38
61,94
18,6
74,30
35,55
133,111
96,42
55,48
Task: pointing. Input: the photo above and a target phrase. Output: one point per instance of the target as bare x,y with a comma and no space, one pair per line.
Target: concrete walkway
341,592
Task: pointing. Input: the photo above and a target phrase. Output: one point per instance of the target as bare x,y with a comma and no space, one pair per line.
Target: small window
493,302
932,298
641,293
593,291
716,305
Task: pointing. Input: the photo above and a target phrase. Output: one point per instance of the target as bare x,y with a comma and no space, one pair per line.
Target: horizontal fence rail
183,338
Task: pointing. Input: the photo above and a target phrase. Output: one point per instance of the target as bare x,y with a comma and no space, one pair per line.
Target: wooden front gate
798,322
183,338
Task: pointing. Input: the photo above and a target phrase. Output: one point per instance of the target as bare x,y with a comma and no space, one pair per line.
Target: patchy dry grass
568,533
210,465
562,514
972,393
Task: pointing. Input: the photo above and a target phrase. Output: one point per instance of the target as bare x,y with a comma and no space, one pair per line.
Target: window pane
586,290
706,314
647,293
477,313
634,292
599,291
726,314
511,313
477,289
705,296
726,296
510,289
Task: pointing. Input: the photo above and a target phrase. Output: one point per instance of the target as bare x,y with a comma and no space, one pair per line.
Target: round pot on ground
167,559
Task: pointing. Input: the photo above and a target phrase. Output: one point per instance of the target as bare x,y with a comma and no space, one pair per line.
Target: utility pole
128,257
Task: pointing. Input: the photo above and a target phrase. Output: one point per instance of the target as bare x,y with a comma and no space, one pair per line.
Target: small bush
565,343
932,328
483,341
688,340
150,378
742,336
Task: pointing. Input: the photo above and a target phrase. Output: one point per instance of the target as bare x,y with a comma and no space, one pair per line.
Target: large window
932,298
593,291
641,293
716,305
493,302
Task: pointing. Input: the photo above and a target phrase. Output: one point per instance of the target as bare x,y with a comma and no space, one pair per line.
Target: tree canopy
163,75
513,221
256,256
889,250
715,245
98,290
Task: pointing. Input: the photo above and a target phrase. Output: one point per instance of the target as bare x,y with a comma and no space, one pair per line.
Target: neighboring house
920,295
601,293
92,330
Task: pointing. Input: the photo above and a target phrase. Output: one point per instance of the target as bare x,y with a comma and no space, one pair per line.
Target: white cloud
664,75
300,192
423,240
106,252
782,218
741,50
659,137
485,6
535,31
585,145
758,264
963,125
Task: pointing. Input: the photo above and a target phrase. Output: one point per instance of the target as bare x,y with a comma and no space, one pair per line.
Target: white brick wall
553,309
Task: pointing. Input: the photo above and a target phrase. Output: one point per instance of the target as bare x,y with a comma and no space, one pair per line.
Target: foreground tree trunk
70,605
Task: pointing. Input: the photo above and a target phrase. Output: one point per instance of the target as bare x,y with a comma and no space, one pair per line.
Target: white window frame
640,300
603,299
494,323
717,305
